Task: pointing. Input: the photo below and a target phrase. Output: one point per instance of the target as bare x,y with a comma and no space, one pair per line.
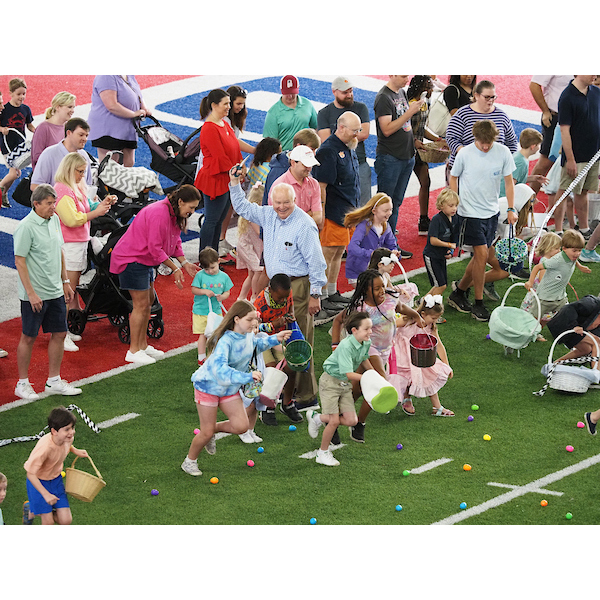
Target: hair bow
386,260
430,300
257,185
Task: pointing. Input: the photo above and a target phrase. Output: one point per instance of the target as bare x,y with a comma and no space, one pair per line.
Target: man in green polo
44,291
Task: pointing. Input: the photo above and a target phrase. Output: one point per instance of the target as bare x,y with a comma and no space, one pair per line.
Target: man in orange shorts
338,177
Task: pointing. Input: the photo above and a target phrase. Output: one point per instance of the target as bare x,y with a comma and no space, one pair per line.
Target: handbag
22,193
20,155
213,320
439,116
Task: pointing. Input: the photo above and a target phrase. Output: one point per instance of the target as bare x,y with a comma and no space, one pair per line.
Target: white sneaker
74,336
324,457
246,437
314,423
70,345
63,387
211,446
254,436
139,357
153,352
3,353
25,391
191,467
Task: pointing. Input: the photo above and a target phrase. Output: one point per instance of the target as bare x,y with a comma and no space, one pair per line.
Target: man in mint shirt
43,290
289,114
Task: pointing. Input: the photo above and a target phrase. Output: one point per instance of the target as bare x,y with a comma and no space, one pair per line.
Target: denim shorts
37,504
137,277
52,318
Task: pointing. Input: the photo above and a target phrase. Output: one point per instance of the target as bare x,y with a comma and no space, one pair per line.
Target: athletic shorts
37,504
199,323
333,234
212,400
75,255
335,395
137,277
436,271
52,318
588,184
477,232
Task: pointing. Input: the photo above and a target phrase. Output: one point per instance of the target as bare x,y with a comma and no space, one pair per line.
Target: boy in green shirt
335,384
530,141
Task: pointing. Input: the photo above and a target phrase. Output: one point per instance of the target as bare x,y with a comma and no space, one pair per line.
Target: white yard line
117,420
430,465
534,486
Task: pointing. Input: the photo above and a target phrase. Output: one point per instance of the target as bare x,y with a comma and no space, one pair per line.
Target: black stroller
103,297
174,158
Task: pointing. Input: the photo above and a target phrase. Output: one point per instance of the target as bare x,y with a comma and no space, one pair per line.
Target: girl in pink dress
371,296
424,381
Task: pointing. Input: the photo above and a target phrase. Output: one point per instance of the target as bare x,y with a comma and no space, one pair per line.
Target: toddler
210,287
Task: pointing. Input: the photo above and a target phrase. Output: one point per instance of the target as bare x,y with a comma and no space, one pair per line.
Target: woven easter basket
433,153
82,485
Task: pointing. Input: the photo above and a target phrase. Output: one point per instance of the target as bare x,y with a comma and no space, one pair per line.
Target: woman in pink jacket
154,237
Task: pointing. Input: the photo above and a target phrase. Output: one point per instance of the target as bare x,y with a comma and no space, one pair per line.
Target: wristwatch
66,281
315,295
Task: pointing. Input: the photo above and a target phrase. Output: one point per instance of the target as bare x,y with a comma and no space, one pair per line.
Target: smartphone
238,170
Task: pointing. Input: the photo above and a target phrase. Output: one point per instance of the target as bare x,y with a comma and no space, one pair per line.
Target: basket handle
93,465
565,333
539,317
403,272
6,138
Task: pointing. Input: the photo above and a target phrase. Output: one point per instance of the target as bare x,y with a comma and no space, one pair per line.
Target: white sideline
534,486
117,420
430,465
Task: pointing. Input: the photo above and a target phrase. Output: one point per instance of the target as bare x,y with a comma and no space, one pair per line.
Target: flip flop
407,412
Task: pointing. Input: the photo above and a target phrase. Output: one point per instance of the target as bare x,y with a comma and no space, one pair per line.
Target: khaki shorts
198,323
336,395
589,183
334,235
75,255
548,307
273,355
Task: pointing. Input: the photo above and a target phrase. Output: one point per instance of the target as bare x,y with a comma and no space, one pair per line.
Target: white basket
569,379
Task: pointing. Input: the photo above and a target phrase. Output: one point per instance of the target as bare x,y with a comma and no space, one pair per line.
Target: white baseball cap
305,155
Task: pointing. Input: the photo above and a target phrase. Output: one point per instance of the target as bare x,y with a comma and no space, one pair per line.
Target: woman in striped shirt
460,126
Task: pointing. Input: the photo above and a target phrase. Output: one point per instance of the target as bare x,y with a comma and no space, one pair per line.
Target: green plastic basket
298,354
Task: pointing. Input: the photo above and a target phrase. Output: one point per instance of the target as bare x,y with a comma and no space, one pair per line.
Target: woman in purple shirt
153,237
116,100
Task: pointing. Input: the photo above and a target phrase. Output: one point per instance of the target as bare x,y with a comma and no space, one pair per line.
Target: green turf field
528,439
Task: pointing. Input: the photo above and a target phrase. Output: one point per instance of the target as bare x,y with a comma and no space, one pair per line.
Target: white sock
190,460
584,230
201,356
52,380
331,289
23,381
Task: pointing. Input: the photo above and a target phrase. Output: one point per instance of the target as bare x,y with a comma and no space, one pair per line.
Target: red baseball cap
289,85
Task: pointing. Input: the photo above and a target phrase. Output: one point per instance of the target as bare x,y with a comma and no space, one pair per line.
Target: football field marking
430,465
533,486
117,420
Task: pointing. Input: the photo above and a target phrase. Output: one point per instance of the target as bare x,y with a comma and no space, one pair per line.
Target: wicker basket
569,379
434,152
82,485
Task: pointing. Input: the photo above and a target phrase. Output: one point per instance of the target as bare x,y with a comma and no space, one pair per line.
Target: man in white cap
343,100
289,114
308,192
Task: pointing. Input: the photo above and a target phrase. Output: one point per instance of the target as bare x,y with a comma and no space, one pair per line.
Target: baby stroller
131,186
174,158
103,297
513,327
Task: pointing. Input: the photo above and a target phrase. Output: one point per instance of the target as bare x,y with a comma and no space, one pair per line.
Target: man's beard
352,144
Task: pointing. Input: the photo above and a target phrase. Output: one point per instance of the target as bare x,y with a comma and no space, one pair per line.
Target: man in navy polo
338,177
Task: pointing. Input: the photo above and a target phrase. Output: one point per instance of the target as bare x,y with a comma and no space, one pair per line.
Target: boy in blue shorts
476,175
45,487
210,287
335,384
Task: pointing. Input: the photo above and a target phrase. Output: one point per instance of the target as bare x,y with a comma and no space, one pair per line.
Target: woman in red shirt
220,151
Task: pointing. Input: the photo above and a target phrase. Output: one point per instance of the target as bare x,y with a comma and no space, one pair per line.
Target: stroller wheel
116,319
76,321
156,328
124,333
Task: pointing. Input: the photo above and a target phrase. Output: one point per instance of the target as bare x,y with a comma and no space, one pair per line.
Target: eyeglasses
80,171
354,131
488,97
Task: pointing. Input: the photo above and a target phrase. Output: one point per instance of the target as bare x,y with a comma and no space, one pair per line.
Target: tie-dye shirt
384,326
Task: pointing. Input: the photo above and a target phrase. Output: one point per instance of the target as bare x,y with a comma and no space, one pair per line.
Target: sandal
406,411
442,412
